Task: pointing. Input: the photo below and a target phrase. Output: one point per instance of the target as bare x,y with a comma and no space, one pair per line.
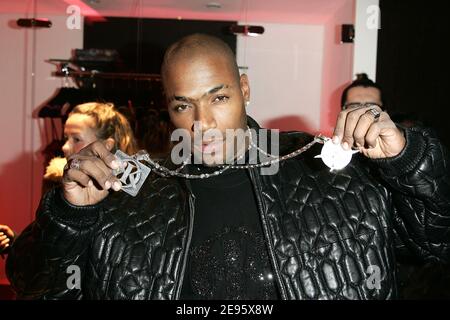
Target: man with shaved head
210,64
217,226
199,45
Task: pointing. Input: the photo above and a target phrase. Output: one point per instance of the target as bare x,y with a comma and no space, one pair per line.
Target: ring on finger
74,164
376,114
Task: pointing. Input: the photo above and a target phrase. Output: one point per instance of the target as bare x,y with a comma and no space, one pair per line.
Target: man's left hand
375,137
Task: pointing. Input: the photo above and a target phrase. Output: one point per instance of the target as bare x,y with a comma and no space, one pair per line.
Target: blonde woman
86,123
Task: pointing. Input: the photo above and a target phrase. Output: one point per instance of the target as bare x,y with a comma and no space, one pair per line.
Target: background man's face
205,89
363,95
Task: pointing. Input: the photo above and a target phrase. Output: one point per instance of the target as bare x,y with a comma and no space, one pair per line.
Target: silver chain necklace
135,172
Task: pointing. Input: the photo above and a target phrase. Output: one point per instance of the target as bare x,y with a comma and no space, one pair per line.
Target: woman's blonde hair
109,123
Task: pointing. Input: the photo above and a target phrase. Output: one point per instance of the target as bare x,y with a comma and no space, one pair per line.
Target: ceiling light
34,23
247,30
213,5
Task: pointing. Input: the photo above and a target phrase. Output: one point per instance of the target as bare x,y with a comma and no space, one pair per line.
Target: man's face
363,95
205,89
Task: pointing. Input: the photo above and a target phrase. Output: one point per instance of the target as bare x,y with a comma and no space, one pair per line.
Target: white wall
297,72
285,71
366,37
23,138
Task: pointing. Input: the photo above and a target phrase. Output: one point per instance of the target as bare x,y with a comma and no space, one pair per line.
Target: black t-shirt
228,256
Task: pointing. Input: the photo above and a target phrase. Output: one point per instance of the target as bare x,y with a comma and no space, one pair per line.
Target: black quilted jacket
328,234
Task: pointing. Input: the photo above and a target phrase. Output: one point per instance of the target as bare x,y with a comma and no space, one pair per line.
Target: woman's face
78,132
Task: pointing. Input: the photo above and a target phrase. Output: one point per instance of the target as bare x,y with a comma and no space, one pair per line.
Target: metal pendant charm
132,175
334,156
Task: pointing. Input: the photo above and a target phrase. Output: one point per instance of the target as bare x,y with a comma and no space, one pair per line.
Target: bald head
198,46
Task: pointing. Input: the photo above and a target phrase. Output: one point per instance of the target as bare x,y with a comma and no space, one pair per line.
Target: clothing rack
109,75
65,70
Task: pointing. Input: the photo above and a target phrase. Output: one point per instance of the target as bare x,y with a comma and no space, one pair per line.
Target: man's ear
245,87
109,143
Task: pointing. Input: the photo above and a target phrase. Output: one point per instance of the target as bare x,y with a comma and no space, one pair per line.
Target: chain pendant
132,173
334,156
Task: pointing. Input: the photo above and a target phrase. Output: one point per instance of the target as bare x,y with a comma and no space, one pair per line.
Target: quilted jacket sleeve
44,259
420,181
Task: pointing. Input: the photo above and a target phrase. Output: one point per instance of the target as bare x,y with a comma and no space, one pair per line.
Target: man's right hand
88,182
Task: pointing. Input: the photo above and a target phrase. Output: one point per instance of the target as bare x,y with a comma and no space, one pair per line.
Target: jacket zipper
191,199
267,235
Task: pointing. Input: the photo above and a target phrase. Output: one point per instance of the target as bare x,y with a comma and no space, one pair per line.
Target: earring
247,103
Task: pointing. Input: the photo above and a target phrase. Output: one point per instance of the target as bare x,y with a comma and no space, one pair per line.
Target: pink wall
337,66
23,135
